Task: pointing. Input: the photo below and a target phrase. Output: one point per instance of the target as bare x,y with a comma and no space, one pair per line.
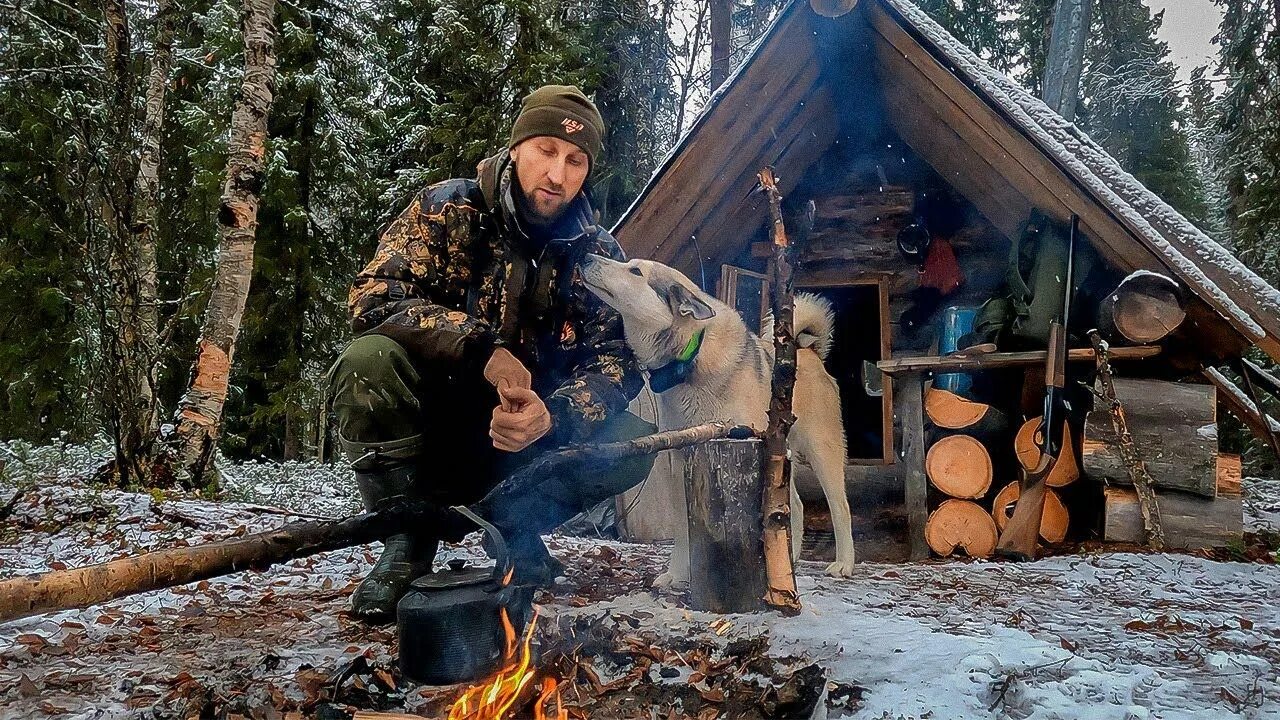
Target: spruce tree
1133,106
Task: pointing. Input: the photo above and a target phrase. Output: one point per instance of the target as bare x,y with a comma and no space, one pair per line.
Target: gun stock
1022,535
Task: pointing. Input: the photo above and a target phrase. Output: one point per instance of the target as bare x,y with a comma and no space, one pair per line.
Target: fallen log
963,525
81,587
959,466
1053,523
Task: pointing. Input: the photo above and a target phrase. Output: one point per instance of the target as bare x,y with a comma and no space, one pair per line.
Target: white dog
705,365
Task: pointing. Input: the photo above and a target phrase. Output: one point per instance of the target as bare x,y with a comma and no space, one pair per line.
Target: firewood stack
969,507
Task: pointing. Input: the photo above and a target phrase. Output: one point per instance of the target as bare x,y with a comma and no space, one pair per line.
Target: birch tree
200,410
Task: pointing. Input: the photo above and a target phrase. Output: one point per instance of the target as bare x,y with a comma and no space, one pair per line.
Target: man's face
551,172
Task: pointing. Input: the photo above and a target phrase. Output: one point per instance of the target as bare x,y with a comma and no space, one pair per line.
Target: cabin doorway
860,340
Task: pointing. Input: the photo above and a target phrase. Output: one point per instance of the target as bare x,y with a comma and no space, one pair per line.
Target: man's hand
520,420
504,369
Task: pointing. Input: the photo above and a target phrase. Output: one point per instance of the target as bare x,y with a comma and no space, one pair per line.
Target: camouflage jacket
452,279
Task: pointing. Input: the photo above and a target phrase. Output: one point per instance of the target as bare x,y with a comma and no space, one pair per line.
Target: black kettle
450,621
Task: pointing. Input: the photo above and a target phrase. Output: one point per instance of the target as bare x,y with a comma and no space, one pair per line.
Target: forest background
116,117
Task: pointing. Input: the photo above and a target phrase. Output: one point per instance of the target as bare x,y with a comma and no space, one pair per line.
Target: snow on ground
1122,636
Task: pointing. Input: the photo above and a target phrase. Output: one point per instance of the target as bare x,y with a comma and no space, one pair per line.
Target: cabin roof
1002,148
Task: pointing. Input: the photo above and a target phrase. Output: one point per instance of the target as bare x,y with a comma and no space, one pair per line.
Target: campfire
506,692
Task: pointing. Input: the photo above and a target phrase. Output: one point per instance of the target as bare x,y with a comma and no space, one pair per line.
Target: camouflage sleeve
606,377
418,277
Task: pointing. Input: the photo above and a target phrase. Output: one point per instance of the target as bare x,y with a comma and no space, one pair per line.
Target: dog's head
660,307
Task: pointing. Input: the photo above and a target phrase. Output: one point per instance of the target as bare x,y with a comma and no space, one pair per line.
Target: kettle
450,621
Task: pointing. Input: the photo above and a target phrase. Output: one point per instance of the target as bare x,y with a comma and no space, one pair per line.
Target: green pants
391,413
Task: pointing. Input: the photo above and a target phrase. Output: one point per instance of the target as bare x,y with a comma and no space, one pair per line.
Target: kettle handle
502,560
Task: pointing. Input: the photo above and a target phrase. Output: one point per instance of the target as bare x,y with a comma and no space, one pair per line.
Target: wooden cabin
883,120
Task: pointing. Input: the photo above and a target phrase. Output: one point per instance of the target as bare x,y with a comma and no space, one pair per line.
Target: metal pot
450,621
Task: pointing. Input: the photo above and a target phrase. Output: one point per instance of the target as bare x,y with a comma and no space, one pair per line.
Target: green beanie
560,111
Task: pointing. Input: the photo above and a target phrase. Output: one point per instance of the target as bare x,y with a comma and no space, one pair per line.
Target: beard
542,208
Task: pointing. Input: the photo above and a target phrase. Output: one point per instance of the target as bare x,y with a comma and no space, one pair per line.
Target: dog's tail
814,322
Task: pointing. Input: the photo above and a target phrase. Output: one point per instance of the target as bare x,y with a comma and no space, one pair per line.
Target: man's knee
373,387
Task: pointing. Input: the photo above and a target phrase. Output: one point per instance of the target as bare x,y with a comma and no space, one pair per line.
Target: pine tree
1249,41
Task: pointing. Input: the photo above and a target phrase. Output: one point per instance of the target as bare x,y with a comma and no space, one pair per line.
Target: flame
494,698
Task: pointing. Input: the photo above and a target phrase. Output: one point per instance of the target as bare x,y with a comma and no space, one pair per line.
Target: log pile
971,499
1173,432
960,471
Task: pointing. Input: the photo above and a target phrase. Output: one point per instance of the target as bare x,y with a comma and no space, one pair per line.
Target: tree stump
726,522
963,525
959,466
1053,523
1026,445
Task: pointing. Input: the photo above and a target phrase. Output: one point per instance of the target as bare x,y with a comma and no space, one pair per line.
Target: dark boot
404,557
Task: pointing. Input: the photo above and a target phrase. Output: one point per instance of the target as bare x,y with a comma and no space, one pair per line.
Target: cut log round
1143,309
959,466
948,410
963,525
1053,523
833,8
1026,445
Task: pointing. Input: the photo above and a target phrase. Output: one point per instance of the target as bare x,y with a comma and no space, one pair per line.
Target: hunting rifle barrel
80,587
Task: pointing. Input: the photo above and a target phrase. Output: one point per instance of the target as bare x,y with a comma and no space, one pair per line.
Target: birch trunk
200,411
134,271
781,592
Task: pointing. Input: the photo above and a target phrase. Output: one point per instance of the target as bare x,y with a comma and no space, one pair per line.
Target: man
479,348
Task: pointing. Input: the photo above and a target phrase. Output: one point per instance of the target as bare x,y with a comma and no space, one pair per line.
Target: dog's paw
840,569
671,581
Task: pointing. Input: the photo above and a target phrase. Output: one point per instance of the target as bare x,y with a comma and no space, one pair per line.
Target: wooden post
915,483
726,557
781,593
1142,482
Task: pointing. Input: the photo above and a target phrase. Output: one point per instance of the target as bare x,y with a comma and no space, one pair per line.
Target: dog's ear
690,305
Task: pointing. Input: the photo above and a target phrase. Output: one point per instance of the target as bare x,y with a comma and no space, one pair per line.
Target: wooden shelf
987,361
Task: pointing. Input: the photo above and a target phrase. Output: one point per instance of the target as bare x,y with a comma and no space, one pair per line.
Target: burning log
1053,523
82,587
961,524
1144,308
959,466
726,560
781,592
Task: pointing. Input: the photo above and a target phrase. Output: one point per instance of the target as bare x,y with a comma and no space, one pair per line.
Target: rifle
1021,535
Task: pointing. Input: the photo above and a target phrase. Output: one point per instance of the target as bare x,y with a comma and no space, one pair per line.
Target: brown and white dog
704,364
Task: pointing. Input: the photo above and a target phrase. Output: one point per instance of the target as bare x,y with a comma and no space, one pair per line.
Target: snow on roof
1182,245
1163,228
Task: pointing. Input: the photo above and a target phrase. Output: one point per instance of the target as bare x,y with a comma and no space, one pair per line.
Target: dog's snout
589,260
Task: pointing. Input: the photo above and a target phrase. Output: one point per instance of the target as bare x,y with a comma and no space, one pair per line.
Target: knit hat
560,111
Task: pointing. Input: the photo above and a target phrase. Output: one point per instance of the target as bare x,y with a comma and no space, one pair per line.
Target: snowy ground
1087,636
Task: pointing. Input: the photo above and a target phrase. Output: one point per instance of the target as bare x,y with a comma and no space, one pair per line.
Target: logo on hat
571,126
